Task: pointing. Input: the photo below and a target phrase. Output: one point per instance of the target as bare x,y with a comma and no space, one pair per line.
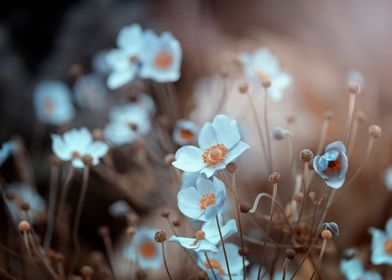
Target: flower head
52,103
185,132
161,59
77,144
144,249
220,144
207,238
332,165
144,101
90,92
124,61
128,123
21,194
382,244
204,201
352,268
263,65
217,262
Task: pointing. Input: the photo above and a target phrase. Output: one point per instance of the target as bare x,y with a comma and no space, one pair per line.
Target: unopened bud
375,131
160,236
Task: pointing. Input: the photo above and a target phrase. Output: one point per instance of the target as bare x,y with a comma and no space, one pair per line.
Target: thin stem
210,266
323,136
285,266
52,205
274,193
351,143
239,223
316,206
350,112
223,247
64,192
60,270
164,261
323,246
305,184
109,250
79,208
267,131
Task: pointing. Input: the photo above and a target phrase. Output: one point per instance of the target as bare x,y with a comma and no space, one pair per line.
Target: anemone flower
185,132
382,244
90,92
219,144
352,268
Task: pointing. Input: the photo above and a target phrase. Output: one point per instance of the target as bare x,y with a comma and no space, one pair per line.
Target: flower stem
350,112
323,246
267,232
223,247
305,186
267,131
52,205
164,260
315,208
209,264
285,266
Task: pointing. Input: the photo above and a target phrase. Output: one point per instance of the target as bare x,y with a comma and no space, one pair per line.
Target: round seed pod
160,236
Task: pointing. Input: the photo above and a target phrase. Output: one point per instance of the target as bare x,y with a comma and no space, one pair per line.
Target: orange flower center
48,106
207,200
163,60
388,246
147,249
187,134
214,265
214,155
334,166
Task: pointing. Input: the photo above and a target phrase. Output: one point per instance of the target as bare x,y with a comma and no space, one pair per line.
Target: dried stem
285,266
323,246
223,247
305,187
350,112
52,205
164,260
267,131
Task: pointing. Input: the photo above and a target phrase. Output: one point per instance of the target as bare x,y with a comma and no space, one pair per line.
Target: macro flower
219,144
119,208
7,149
128,123
388,178
352,268
90,92
124,61
218,264
332,165
185,132
99,63
382,244
18,194
77,145
264,65
204,201
189,179
144,101
52,103
161,58
207,238
144,249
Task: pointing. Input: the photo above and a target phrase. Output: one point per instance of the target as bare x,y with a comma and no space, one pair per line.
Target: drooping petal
189,159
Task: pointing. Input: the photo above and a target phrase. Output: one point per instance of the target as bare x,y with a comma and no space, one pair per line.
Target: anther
133,218
87,160
361,116
98,134
169,159
278,133
160,236
104,231
25,207
375,131
176,223
131,231
332,227
87,271
200,235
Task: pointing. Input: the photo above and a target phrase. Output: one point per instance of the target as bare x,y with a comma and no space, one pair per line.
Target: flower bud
353,88
375,131
24,226
290,253
244,207
243,87
274,178
232,167
306,155
160,236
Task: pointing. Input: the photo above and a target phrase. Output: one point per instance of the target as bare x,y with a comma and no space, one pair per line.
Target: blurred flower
144,101
144,249
22,193
185,132
220,143
388,178
128,123
119,208
7,148
382,244
357,77
352,268
332,165
161,58
124,61
76,145
99,63
263,65
204,201
218,263
52,103
90,92
208,237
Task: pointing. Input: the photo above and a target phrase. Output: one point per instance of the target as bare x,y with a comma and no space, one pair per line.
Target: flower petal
226,130
189,159
207,136
235,152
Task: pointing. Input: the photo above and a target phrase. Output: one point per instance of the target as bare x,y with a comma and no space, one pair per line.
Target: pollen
214,265
147,249
334,166
388,246
207,200
214,155
163,60
187,134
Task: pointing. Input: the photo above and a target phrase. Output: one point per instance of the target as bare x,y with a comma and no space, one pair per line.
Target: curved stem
323,246
223,247
164,260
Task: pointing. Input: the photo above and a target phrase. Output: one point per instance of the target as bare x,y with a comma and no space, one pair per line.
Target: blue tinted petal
226,130
235,152
189,159
207,136
188,202
337,145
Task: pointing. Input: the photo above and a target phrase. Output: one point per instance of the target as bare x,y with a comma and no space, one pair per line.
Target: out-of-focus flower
52,103
124,61
145,101
278,275
119,208
220,144
144,249
352,268
21,194
76,145
204,201
382,244
218,264
357,77
332,165
90,92
263,65
388,178
99,63
208,237
185,132
128,123
7,149
161,59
